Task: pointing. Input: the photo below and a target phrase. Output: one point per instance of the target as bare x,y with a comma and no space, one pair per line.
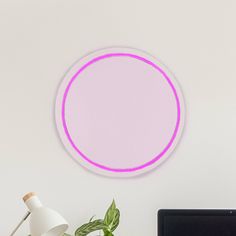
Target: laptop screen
197,223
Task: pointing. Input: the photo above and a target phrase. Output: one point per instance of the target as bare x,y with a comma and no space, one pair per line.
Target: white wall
39,40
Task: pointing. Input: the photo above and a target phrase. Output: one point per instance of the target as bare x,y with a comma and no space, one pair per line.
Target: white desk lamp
43,221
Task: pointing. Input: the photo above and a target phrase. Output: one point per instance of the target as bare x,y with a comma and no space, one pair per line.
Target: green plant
107,225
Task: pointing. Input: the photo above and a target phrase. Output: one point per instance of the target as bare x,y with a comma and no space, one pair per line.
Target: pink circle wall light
119,112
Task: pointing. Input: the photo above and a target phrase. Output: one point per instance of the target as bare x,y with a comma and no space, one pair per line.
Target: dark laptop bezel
190,212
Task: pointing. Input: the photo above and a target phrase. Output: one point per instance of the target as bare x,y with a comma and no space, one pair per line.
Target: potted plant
107,225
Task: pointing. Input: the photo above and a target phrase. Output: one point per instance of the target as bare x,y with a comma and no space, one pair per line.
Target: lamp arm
21,222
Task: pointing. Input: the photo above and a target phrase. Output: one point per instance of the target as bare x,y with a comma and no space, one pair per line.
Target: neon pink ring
105,56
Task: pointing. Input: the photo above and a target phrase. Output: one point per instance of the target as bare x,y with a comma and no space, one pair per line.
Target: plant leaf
107,233
112,217
116,220
91,218
109,214
90,227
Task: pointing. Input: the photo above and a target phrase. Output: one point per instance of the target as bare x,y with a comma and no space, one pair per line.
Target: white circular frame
58,110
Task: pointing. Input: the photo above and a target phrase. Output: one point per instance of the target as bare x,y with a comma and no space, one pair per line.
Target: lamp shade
44,221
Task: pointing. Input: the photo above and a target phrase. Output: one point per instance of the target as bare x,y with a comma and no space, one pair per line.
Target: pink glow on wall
119,111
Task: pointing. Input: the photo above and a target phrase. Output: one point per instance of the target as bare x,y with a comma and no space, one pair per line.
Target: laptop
196,222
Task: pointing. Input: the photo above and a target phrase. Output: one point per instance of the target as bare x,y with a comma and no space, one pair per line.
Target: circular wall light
119,112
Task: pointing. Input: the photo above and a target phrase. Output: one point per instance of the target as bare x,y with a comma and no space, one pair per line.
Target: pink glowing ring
61,109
